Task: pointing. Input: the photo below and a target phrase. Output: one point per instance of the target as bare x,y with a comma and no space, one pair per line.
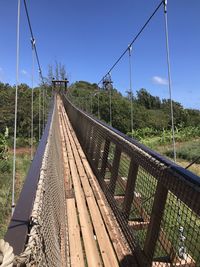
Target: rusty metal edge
18,228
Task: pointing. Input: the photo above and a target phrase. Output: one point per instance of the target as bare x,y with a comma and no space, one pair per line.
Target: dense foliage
150,113
7,110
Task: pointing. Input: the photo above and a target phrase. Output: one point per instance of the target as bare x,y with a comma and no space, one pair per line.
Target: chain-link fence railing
156,202
41,239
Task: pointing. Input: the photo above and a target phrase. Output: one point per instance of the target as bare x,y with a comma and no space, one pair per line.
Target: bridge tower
61,85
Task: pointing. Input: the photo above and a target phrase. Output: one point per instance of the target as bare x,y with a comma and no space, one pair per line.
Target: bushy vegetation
189,151
150,113
152,137
7,106
22,165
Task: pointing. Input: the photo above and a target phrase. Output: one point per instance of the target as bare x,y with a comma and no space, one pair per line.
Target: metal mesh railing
156,202
38,229
48,234
47,241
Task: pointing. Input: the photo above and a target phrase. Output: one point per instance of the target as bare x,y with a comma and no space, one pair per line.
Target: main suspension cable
133,41
39,68
16,99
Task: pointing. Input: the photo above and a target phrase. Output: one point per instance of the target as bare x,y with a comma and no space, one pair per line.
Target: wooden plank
105,246
188,262
76,250
91,250
119,242
138,225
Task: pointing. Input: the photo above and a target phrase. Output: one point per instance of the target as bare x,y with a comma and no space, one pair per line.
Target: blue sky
88,36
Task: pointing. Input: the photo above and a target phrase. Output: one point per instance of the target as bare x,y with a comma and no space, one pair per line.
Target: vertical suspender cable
33,44
110,88
169,78
131,89
39,111
43,116
16,98
181,246
98,104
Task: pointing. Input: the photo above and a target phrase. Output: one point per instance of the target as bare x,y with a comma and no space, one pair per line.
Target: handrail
171,192
18,229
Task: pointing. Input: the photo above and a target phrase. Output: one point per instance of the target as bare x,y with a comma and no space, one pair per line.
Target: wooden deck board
105,246
90,215
76,250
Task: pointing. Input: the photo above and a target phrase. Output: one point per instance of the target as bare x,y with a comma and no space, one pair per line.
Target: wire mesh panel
47,239
156,202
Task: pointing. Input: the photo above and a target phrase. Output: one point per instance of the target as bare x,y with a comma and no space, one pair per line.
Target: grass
22,166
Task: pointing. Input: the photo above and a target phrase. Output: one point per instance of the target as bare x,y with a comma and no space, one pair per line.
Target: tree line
148,110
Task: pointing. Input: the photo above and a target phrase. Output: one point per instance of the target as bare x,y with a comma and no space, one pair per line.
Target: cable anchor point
165,5
33,42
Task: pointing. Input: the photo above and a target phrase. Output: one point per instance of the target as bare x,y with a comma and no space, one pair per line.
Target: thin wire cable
43,109
110,105
32,36
33,44
98,95
39,111
131,88
16,99
169,78
193,162
133,41
39,68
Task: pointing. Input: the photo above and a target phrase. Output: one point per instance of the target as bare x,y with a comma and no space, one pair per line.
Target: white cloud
159,80
24,72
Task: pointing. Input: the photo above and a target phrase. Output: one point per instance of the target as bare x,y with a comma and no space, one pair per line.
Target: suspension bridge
95,197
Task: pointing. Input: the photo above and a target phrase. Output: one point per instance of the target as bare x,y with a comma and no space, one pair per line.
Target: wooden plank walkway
94,236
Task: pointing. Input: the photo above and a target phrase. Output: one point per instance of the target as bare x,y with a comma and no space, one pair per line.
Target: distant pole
169,78
16,96
131,89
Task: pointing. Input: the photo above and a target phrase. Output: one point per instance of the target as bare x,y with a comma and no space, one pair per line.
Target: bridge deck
94,237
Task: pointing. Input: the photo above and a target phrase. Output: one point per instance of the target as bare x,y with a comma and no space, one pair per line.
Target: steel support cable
169,78
39,115
110,100
181,246
43,109
133,41
32,36
16,99
33,44
39,68
131,89
193,162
